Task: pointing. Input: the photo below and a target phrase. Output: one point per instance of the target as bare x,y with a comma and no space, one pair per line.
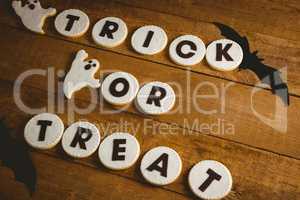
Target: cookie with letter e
32,14
81,74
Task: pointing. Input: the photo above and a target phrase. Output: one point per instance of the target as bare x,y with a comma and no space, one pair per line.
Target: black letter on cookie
223,52
117,149
44,124
113,85
148,39
156,99
78,137
164,166
72,19
181,44
108,28
211,177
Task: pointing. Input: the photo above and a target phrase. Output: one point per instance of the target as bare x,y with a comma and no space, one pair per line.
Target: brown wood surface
279,46
264,162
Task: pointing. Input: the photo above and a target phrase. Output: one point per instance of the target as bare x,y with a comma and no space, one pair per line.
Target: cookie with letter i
210,179
155,98
81,74
119,88
81,139
32,14
224,55
43,131
109,32
119,151
72,23
149,40
161,166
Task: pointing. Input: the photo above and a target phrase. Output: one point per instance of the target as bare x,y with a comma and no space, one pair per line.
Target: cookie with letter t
32,14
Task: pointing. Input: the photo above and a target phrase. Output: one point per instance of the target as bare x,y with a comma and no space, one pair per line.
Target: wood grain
61,179
264,162
248,129
277,51
257,174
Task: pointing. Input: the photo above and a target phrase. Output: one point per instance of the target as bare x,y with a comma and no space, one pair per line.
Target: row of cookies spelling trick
223,54
160,166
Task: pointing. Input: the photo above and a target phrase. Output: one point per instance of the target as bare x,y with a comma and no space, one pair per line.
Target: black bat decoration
15,156
265,73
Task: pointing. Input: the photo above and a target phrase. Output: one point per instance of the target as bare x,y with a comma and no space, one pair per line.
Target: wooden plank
233,118
257,16
277,51
256,174
60,179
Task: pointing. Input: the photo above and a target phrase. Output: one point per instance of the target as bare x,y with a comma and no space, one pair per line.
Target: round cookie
187,50
119,151
161,166
109,32
81,139
149,40
43,131
155,98
224,55
119,88
72,23
210,179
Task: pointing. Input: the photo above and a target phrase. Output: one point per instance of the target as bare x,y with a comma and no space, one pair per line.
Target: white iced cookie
109,32
72,23
81,139
149,40
32,14
187,50
224,55
210,179
119,88
161,166
155,98
43,131
119,151
81,74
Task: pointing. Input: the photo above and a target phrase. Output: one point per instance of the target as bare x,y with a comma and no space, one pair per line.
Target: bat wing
271,77
267,75
231,34
15,156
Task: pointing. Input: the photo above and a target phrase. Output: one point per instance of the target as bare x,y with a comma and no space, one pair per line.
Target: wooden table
264,162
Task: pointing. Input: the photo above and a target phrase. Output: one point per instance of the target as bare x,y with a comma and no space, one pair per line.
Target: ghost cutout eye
27,2
94,65
35,1
90,61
